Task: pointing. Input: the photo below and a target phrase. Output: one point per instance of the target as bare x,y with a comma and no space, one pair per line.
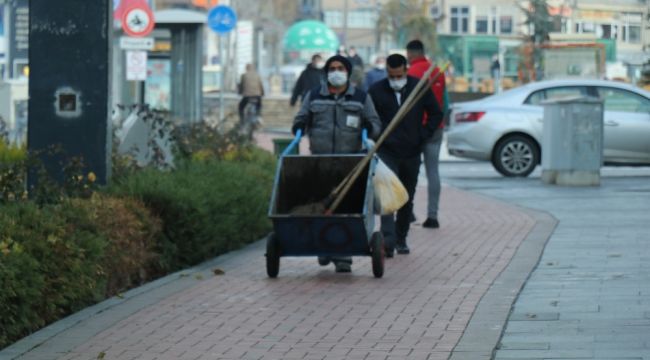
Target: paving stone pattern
589,298
419,310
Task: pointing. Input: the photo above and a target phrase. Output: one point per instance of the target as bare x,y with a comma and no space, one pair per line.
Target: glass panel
565,92
481,24
535,98
622,100
634,34
506,24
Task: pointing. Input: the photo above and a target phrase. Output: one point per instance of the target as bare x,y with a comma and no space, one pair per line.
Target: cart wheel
377,249
272,256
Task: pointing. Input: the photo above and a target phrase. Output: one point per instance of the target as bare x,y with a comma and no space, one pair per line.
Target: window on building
362,19
460,19
481,24
604,31
587,27
493,12
631,27
505,24
334,18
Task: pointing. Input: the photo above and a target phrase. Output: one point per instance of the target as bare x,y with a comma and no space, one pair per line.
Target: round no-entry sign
138,20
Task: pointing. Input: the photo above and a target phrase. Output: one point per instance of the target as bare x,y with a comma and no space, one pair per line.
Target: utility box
572,142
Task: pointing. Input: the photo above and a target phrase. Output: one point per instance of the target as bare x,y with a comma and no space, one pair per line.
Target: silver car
506,128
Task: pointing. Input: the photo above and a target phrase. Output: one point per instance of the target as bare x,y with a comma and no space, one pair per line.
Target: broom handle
415,95
406,106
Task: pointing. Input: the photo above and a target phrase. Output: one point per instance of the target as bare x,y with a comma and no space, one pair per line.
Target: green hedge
11,154
56,259
207,207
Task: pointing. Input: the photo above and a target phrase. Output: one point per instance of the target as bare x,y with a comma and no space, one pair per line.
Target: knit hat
343,60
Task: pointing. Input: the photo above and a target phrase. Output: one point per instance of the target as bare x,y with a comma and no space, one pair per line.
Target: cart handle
293,143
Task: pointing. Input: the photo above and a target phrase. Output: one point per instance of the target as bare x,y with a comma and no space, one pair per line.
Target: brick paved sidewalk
420,309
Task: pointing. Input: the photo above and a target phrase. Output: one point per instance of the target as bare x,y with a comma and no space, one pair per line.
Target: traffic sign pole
222,19
221,80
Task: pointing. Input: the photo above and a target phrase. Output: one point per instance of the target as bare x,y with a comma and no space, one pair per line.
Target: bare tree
406,20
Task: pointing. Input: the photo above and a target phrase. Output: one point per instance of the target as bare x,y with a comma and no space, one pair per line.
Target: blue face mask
337,78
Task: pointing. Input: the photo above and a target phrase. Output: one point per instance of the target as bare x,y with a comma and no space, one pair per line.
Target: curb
485,329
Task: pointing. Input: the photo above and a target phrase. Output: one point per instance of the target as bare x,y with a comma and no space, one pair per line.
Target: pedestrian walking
310,77
402,148
419,64
377,73
356,76
333,116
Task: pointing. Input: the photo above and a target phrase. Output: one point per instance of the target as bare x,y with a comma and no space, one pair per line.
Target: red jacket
417,69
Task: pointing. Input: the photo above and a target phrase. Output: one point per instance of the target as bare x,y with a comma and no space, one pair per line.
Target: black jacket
408,138
309,78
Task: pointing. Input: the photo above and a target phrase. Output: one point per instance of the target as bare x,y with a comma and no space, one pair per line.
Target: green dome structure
310,35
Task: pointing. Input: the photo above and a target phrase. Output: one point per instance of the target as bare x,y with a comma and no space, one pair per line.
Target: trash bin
280,144
572,141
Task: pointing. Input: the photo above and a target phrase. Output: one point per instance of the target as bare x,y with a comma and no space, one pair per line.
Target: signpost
222,20
136,65
131,43
137,22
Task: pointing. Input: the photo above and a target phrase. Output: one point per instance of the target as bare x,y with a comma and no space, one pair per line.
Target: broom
344,187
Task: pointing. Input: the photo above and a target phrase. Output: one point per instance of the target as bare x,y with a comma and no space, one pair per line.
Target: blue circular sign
222,19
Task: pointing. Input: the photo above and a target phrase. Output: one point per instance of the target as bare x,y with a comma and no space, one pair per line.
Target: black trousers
245,100
396,228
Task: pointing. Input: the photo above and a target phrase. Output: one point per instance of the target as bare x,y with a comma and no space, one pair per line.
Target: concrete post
69,84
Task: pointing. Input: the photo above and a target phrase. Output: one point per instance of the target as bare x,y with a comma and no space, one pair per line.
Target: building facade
478,28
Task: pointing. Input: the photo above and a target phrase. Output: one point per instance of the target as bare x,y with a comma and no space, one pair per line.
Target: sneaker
431,223
402,249
323,260
342,267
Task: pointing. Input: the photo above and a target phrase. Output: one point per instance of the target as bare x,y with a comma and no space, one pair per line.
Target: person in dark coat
378,72
309,78
401,149
334,116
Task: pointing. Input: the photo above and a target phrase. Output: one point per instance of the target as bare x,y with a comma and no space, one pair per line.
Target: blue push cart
301,180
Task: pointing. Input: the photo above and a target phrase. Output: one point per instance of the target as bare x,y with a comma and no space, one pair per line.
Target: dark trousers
396,228
245,100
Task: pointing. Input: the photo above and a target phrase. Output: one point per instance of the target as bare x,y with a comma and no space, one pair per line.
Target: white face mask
320,64
337,78
397,84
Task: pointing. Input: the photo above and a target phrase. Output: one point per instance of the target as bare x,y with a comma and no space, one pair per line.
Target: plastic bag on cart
390,194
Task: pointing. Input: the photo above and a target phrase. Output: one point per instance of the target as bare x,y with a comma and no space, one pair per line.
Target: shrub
58,259
131,231
11,154
208,207
57,265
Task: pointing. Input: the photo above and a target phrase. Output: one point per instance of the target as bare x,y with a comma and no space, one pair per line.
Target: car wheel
516,156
